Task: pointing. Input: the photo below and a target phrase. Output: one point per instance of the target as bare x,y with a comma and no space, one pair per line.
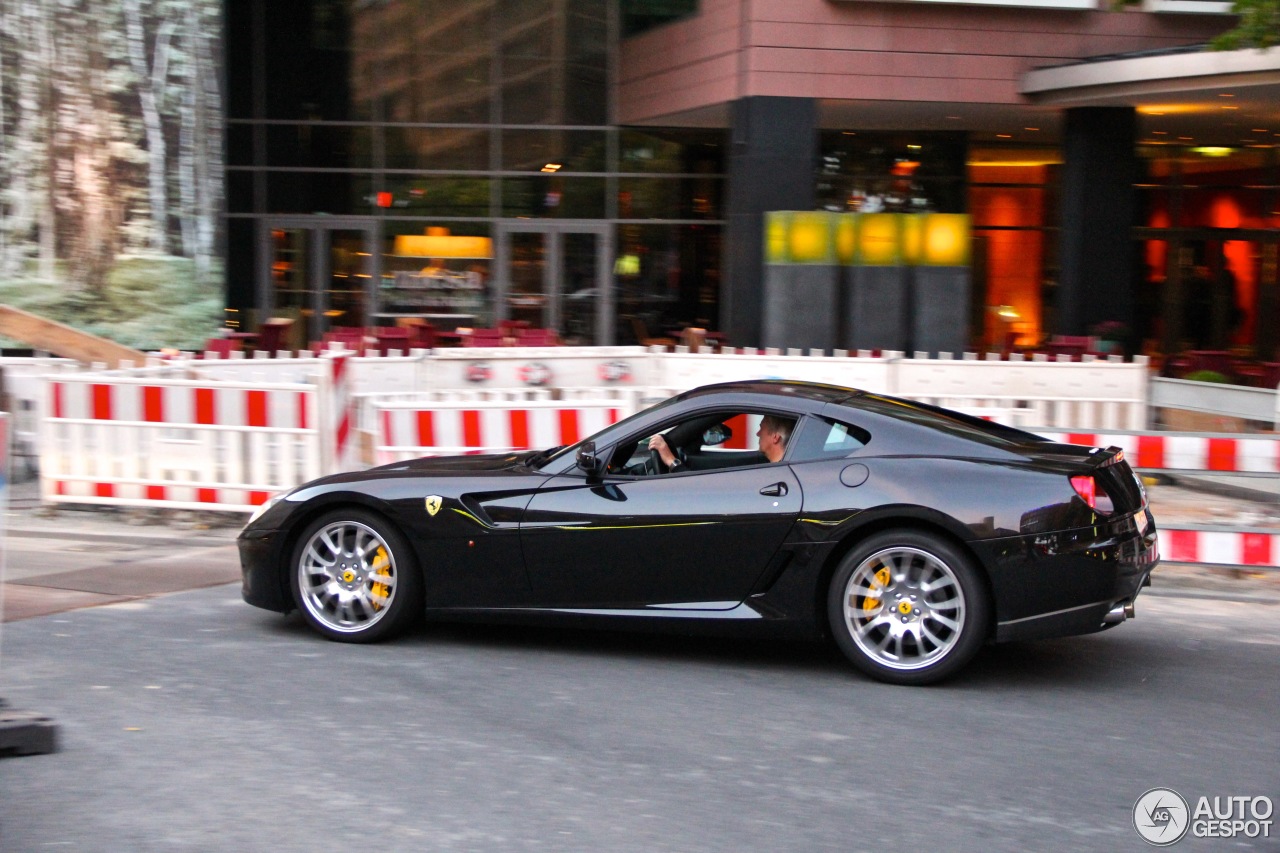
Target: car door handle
774,490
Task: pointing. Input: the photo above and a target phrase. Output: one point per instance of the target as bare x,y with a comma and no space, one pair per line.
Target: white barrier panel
408,430
690,370
542,367
1253,549
1228,453
1108,394
180,443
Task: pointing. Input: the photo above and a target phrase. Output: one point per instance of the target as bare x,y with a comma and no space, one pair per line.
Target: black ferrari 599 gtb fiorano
908,533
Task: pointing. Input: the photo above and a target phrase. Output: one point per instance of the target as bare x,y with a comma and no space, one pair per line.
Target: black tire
908,607
354,578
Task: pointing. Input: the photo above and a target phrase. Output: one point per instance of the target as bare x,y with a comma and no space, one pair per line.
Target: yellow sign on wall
945,240
867,239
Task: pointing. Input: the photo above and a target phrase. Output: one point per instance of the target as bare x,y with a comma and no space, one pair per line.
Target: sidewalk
64,557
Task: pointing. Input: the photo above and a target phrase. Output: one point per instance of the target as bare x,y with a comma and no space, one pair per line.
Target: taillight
1092,493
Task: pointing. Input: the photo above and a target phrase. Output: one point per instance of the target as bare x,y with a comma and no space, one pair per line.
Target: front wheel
354,577
907,607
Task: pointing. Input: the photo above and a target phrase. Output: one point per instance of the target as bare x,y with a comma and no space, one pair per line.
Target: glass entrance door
318,270
556,276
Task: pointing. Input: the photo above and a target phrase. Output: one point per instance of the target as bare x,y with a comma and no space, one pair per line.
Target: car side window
707,441
823,438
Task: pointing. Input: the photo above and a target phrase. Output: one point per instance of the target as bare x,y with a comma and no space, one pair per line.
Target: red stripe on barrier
256,404
302,411
568,426
1084,438
156,493
60,488
57,399
738,427
471,428
426,430
104,490
204,406
1150,452
520,429
258,498
1222,454
613,416
101,402
1256,549
1182,546
153,404
207,496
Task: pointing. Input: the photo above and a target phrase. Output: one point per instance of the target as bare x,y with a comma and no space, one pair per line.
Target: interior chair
645,339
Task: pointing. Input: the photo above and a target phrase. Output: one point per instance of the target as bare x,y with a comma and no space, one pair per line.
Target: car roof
788,388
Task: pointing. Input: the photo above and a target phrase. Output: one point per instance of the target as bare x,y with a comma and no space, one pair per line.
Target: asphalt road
191,721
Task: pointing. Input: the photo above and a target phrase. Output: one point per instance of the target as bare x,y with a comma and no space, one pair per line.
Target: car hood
461,464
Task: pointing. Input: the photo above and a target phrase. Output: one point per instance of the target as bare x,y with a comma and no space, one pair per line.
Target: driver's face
769,442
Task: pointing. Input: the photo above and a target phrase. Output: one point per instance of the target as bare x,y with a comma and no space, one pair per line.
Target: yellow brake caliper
871,605
381,566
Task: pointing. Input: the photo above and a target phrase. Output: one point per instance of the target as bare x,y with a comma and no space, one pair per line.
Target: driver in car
772,438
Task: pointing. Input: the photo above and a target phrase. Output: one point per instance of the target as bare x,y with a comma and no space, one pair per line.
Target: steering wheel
656,463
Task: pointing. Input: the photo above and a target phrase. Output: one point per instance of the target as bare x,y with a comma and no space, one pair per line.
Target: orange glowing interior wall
1015,259
1219,208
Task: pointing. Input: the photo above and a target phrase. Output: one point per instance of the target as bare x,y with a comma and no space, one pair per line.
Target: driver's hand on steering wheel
659,444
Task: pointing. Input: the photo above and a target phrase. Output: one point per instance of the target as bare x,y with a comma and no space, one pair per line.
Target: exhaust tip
1122,611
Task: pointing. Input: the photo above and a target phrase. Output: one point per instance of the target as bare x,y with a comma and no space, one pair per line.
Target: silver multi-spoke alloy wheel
904,607
908,607
347,576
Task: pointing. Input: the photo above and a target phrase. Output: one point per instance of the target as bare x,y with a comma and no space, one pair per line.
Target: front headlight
271,501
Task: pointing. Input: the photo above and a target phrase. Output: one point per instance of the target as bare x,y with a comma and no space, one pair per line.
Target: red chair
393,338
537,338
272,334
484,338
221,347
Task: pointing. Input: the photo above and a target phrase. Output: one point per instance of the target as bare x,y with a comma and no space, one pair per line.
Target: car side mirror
590,464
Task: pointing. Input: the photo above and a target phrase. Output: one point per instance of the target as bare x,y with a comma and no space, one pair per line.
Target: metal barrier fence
190,444
1200,453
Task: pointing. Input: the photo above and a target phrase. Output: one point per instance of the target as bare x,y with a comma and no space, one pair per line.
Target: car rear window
823,438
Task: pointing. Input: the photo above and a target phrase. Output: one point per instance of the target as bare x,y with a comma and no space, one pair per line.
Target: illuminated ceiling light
1212,151
914,147
1032,129
1225,95
1229,107
849,132
954,118
1258,129
551,167
1004,136
1186,138
1160,132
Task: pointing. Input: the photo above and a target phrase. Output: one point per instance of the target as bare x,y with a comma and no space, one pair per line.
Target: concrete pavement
67,557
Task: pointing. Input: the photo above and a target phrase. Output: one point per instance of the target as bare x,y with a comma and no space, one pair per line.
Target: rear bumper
1074,582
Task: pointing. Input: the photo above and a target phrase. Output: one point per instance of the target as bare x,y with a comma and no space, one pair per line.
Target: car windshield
552,456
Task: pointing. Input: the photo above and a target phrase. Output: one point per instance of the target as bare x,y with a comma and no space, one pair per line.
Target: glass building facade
356,129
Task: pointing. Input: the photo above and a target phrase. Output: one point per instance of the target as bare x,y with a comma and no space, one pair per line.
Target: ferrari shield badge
433,504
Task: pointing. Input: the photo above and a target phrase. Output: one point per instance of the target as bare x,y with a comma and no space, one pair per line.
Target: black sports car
909,533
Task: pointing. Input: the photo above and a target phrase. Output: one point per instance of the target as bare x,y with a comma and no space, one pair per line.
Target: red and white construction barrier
1255,549
151,441
407,430
1242,454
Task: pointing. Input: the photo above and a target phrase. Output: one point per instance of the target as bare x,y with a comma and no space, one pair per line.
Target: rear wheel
354,577
907,607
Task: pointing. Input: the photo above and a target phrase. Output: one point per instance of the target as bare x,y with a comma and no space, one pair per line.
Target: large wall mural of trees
111,184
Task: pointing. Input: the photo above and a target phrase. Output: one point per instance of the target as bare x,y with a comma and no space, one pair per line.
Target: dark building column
1096,281
771,167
